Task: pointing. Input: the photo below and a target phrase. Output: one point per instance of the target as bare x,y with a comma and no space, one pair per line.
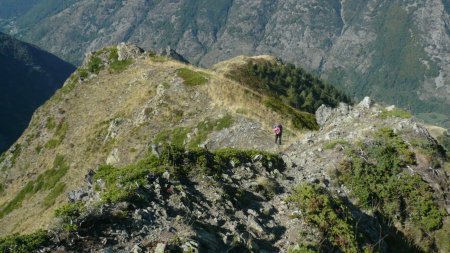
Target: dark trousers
278,139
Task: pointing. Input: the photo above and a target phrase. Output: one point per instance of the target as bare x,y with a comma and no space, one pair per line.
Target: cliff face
29,76
395,51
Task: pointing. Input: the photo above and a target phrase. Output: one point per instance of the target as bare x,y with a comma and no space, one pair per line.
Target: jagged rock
166,175
155,150
77,195
173,54
107,250
254,226
190,246
128,51
160,248
323,113
137,249
113,157
366,103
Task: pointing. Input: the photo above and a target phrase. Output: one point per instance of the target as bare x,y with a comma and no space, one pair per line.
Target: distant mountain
396,51
28,77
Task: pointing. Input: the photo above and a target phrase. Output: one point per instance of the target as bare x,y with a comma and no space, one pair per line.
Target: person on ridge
278,129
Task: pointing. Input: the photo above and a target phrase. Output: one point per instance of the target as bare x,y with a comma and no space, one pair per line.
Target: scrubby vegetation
293,85
23,243
299,120
191,77
44,182
129,182
123,183
69,214
376,176
116,66
334,143
339,228
396,112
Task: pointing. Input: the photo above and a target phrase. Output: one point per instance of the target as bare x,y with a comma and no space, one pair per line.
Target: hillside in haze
396,51
139,152
28,77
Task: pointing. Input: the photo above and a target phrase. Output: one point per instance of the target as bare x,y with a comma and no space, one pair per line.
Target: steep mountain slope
144,148
29,76
396,51
111,110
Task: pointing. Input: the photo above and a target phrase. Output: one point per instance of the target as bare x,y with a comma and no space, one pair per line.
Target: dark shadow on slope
29,76
380,232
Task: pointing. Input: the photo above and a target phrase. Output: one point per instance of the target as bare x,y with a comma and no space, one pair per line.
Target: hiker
278,129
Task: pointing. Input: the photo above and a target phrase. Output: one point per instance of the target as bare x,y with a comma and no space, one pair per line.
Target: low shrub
331,216
376,176
24,243
123,183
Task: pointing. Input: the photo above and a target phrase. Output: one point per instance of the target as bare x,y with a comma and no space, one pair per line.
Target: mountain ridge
389,50
139,152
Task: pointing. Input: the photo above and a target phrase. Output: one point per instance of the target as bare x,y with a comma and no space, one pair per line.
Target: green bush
70,214
95,65
192,78
331,216
49,200
377,179
23,243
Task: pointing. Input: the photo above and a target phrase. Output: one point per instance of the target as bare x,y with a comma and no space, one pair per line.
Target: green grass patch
45,181
116,66
58,136
176,136
119,66
396,112
49,200
24,243
50,124
191,77
300,120
334,143
331,216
